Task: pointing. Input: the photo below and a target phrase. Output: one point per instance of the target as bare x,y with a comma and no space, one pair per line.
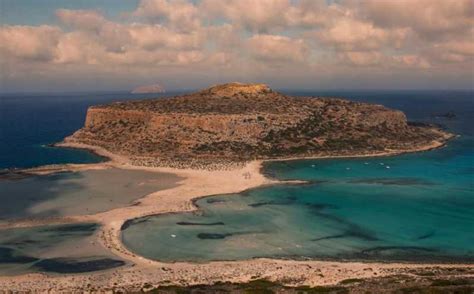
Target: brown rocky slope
238,122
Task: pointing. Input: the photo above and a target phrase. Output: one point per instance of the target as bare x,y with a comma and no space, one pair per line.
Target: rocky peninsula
235,123
235,126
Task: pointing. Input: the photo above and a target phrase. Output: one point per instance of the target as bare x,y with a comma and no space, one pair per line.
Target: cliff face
236,122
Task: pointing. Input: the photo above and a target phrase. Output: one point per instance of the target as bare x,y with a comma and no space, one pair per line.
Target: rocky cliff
238,122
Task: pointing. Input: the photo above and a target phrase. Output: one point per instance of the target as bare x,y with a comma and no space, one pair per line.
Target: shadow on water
199,224
19,196
426,236
43,240
78,193
9,255
393,181
216,236
350,229
68,265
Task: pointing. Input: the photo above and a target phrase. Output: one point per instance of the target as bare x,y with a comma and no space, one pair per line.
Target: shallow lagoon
78,193
56,249
413,207
418,209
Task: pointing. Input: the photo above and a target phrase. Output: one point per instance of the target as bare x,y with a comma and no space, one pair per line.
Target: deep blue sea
29,122
409,207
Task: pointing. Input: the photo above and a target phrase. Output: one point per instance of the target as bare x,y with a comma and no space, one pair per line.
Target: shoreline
196,184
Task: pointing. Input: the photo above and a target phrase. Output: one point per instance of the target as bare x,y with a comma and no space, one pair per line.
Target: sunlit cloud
185,38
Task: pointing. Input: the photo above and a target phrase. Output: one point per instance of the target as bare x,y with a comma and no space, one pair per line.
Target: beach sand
194,184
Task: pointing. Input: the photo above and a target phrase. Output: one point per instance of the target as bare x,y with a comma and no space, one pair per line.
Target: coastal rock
239,122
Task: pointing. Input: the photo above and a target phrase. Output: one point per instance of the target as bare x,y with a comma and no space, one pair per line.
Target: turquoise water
414,207
421,208
418,209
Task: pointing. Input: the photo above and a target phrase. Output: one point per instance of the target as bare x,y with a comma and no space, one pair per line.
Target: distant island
241,122
155,88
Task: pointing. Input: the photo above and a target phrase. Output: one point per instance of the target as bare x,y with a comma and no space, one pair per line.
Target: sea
412,207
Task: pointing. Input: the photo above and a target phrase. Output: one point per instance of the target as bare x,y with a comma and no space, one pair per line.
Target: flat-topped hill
238,122
228,98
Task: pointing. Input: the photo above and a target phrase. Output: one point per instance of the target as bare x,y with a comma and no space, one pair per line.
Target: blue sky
75,45
37,12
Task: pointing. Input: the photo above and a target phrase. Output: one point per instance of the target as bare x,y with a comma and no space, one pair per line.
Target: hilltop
240,122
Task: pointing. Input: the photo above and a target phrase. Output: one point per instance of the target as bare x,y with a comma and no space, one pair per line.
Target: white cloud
29,42
276,48
179,14
430,19
197,37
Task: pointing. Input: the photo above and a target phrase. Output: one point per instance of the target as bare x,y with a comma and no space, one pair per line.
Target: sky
111,45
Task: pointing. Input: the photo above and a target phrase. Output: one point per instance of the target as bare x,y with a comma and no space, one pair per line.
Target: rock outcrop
239,122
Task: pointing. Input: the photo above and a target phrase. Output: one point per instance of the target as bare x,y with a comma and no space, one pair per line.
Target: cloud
352,34
257,16
381,60
29,42
151,37
429,19
248,38
179,14
276,48
81,19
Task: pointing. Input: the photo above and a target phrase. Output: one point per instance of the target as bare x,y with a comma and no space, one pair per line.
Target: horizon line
198,89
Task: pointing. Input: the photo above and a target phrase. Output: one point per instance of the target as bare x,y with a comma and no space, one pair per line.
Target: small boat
173,236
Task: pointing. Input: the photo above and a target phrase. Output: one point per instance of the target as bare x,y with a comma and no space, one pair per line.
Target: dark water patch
68,266
199,224
356,231
275,202
213,236
9,255
426,236
330,237
216,236
212,201
408,253
320,206
71,193
393,182
381,249
21,243
352,232
351,229
291,198
86,227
